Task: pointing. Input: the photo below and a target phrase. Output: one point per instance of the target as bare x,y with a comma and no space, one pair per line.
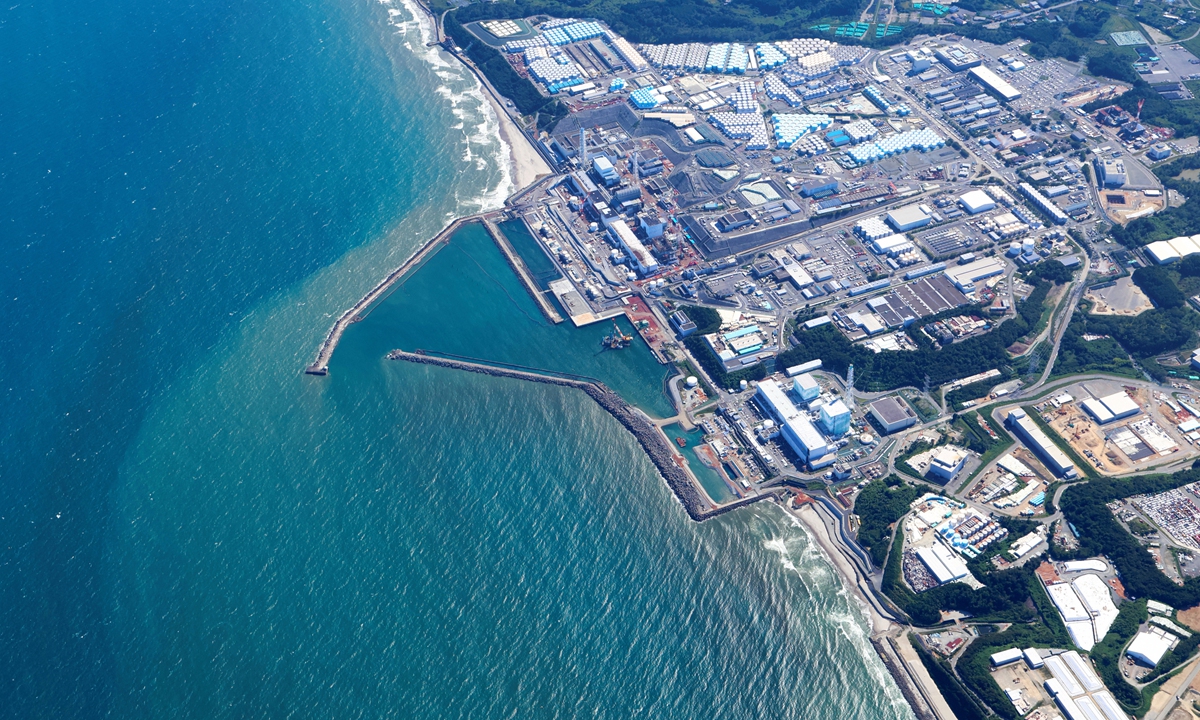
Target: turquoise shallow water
466,301
709,478
193,528
540,267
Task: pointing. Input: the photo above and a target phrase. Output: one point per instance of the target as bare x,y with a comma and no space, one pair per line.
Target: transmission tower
1035,362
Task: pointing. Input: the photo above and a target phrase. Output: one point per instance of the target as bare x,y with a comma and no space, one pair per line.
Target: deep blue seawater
189,527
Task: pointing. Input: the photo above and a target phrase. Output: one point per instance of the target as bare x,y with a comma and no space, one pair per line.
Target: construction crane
617,339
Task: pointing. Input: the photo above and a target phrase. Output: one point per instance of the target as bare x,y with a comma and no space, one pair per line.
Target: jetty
358,311
653,442
522,272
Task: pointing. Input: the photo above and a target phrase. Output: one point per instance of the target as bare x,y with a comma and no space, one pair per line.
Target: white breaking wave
483,146
852,629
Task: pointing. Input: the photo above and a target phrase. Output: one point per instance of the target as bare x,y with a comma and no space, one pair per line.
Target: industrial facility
1041,445
946,462
795,426
1112,407
977,201
997,85
965,276
892,414
1167,251
1086,607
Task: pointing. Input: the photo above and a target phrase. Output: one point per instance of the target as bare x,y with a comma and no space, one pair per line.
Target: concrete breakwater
648,436
320,366
519,269
909,686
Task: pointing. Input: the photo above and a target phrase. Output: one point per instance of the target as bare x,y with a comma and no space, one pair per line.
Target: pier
522,272
357,312
648,436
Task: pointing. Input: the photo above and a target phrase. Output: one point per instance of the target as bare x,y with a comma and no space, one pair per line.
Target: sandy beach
849,573
526,163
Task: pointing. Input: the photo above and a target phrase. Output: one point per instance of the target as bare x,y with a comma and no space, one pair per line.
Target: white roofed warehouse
1161,252
909,217
1111,407
977,201
1148,648
995,84
1029,433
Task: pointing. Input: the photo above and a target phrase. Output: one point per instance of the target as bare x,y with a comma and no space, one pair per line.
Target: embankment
518,267
648,436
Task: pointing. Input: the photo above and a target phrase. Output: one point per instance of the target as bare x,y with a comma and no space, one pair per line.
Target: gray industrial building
1029,433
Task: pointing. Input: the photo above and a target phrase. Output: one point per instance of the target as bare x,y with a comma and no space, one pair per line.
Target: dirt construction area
1121,446
1086,438
1120,298
1190,617
1018,677
1122,206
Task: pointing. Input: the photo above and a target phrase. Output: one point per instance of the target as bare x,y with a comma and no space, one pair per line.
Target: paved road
1166,710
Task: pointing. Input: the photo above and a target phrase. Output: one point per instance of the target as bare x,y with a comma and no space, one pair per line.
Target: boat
617,339
681,442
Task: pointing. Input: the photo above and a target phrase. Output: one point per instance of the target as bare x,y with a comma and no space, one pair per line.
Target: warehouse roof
891,410
977,201
907,216
1149,647
1068,602
1120,404
994,82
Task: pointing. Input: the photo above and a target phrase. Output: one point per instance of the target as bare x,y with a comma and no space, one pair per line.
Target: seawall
648,436
320,365
518,267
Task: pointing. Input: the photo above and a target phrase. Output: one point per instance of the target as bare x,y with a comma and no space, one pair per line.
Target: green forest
1084,505
1077,355
524,95
1171,326
878,506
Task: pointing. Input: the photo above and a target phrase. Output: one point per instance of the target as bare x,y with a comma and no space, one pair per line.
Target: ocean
192,527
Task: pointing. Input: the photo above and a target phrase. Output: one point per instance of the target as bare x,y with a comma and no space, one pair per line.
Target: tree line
892,369
523,93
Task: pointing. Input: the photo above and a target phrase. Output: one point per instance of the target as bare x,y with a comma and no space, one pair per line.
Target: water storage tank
744,385
692,381
593,227
631,277
866,439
